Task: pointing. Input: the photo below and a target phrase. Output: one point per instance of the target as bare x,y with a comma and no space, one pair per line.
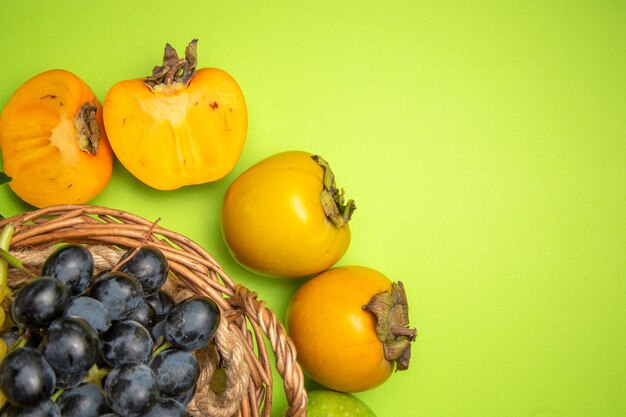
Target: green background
483,141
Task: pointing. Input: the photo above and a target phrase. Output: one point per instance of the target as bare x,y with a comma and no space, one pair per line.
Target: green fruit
326,403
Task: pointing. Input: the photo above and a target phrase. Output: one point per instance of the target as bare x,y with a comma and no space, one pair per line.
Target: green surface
484,143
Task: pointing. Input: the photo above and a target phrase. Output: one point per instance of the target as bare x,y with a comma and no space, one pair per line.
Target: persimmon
54,146
285,216
178,126
349,325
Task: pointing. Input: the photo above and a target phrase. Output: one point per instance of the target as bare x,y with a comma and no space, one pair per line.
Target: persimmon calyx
332,198
174,70
392,324
87,130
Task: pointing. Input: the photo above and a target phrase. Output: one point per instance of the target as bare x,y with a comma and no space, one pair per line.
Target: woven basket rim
196,269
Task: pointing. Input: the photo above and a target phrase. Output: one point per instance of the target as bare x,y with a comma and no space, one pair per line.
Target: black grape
131,389
143,314
84,400
44,409
70,345
185,397
161,302
148,265
39,302
192,323
26,378
126,342
158,330
118,292
73,265
176,371
90,310
167,407
100,274
67,380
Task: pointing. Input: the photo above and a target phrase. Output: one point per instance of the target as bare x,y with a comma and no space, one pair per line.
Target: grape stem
160,348
10,259
57,394
96,375
5,241
21,340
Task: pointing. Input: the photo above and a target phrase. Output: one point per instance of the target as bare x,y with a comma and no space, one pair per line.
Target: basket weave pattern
247,323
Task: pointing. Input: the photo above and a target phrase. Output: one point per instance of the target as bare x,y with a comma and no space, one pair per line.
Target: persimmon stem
174,69
392,324
332,198
410,334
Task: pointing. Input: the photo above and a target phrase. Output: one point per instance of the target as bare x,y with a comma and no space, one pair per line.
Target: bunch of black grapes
111,344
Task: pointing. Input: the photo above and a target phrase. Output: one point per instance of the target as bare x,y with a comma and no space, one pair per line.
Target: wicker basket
245,332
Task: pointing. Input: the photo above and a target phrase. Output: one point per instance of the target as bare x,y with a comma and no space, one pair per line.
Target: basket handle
282,346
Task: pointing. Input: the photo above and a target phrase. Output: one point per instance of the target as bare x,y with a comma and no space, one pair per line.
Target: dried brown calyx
333,201
392,324
174,70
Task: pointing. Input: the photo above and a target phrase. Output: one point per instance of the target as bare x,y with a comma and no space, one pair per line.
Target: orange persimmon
349,325
53,142
286,217
178,126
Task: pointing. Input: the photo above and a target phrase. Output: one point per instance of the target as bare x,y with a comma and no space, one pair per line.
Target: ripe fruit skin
126,341
131,389
177,371
26,378
70,345
73,265
90,310
84,400
176,134
118,292
191,324
47,408
273,221
40,130
39,302
335,338
148,265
